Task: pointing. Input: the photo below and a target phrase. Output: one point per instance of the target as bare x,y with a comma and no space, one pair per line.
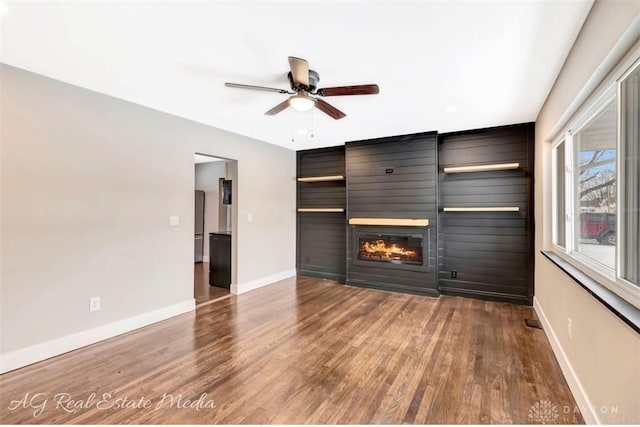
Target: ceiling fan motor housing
304,90
314,78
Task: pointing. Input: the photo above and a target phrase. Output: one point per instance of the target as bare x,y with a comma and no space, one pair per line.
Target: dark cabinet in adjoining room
220,260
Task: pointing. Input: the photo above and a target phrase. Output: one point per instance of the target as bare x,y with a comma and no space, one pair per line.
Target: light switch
174,221
249,217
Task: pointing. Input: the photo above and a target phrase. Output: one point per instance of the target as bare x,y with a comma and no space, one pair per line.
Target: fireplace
390,248
386,247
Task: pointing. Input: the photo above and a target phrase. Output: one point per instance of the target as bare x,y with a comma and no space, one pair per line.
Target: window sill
627,312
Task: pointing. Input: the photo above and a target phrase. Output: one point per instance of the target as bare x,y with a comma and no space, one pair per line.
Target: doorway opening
214,250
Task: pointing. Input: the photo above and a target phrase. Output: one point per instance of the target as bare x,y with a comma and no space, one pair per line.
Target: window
596,185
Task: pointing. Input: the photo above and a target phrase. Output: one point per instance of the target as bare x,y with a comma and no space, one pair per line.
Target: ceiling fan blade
349,90
268,89
299,71
329,109
275,110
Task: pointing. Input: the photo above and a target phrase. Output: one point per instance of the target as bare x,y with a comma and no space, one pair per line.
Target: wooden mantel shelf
320,209
484,209
482,168
423,222
321,178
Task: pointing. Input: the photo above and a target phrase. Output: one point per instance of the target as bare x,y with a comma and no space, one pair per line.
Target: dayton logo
544,412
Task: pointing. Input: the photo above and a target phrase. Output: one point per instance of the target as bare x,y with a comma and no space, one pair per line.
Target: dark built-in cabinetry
461,203
321,240
485,238
220,260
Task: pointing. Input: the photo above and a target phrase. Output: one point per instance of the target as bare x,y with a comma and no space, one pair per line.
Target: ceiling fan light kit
301,102
304,83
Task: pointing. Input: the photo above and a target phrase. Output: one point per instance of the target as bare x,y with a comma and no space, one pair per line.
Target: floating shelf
320,209
321,178
484,209
390,221
482,168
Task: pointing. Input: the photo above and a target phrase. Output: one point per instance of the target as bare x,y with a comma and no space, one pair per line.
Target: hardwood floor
201,290
305,351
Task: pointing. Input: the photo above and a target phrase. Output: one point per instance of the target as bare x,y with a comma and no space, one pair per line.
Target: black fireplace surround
487,255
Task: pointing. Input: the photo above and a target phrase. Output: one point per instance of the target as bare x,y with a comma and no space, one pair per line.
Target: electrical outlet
94,304
454,274
569,328
174,221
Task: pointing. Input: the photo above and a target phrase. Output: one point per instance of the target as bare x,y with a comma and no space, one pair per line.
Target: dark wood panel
500,273
466,244
361,148
390,209
485,239
485,255
472,230
486,188
425,177
458,221
482,157
515,149
420,163
391,197
322,162
484,179
491,252
365,186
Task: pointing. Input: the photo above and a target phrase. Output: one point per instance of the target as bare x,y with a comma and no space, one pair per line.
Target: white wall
602,359
88,185
207,176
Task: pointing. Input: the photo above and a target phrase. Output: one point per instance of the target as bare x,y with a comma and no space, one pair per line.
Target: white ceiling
493,62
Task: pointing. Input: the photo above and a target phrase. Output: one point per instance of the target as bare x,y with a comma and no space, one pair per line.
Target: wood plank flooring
304,351
202,291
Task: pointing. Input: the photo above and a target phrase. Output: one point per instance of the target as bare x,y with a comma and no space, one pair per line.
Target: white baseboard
205,258
582,400
36,353
263,281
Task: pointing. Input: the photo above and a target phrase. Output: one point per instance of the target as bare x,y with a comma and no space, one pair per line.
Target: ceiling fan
304,84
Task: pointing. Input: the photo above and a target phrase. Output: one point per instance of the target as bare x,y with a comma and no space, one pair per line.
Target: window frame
611,278
554,193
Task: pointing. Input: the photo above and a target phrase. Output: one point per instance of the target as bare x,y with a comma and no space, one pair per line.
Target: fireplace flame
380,248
